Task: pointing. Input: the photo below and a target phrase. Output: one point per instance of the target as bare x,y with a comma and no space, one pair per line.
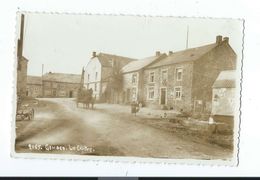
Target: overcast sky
64,43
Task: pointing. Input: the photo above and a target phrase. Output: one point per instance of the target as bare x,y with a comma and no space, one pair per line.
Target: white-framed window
164,75
151,77
178,92
134,78
150,93
179,73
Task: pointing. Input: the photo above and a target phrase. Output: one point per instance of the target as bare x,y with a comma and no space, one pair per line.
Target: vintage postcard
127,88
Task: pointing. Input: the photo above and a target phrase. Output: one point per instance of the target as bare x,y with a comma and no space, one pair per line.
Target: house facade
224,96
34,86
133,81
60,85
184,79
102,74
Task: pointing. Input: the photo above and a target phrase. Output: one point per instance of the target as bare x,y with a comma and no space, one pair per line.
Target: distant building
184,79
102,74
133,83
21,64
223,98
60,85
34,86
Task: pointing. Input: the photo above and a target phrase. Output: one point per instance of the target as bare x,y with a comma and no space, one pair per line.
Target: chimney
226,39
170,52
20,40
218,39
94,54
158,53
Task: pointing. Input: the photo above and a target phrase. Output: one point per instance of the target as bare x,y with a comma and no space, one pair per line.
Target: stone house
102,74
224,97
34,86
133,78
22,63
60,84
184,79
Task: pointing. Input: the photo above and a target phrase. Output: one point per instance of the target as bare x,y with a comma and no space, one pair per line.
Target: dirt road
58,122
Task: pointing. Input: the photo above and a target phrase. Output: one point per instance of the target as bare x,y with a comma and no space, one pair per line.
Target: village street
106,130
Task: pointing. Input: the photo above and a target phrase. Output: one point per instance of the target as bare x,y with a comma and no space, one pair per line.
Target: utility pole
42,79
187,38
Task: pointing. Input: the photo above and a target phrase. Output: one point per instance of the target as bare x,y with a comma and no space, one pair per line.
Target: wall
223,101
170,84
34,90
92,68
21,76
206,71
128,86
60,89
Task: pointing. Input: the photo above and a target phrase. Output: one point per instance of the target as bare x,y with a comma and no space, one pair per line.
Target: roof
139,64
61,77
225,79
37,80
106,59
191,54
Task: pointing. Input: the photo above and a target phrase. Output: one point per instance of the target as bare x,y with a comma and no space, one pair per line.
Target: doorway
71,94
163,96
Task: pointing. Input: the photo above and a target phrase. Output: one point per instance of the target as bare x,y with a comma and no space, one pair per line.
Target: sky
64,42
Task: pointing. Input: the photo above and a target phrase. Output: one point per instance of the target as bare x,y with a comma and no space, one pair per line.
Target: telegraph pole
187,38
42,79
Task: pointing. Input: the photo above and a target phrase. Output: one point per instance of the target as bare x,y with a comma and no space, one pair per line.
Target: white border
249,135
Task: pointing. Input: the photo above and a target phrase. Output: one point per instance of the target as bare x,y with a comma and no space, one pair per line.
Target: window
178,92
151,77
134,78
96,76
179,74
164,76
151,93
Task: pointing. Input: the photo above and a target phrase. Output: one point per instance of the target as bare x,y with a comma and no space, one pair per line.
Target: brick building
224,97
102,74
184,79
22,63
133,78
34,86
60,85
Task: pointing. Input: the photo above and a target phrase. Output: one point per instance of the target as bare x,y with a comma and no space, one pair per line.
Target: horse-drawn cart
84,97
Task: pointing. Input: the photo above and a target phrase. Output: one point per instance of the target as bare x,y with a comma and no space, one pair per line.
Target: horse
84,96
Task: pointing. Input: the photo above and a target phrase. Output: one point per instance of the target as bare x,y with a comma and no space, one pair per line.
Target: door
54,93
163,96
71,94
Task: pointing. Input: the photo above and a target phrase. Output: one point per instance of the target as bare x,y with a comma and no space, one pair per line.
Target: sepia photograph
127,86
